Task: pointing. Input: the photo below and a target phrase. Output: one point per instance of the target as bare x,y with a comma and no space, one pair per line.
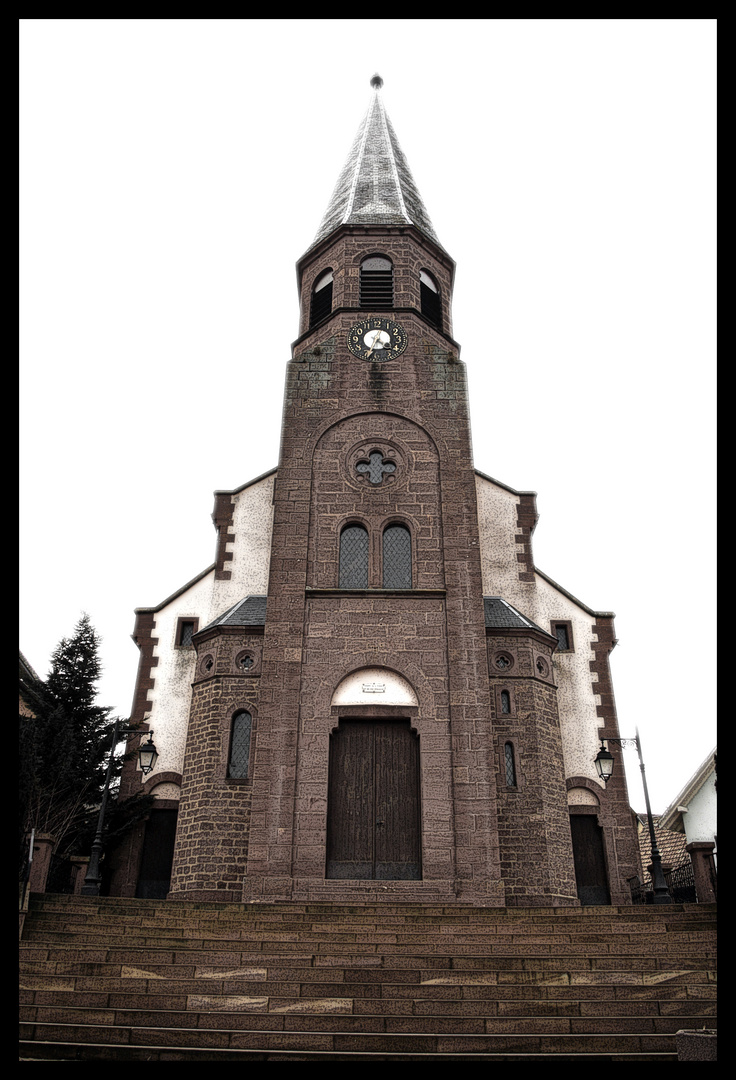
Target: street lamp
604,768
147,755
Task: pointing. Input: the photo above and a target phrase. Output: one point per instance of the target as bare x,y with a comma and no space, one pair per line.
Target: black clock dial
377,338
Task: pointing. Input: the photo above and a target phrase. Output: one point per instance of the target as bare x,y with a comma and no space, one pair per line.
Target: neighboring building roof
375,186
27,677
672,845
672,817
26,672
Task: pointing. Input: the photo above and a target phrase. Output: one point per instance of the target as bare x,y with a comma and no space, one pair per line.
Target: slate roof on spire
376,186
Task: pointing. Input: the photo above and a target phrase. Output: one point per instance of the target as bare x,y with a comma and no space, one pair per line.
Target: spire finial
376,82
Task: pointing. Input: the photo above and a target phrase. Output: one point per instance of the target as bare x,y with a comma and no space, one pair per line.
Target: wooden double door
590,860
374,819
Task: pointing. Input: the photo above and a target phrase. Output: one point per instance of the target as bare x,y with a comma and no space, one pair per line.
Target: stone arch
410,494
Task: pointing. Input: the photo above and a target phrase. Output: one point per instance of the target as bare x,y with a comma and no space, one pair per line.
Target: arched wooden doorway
373,815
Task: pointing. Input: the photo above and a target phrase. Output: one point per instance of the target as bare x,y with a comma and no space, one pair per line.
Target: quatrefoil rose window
375,467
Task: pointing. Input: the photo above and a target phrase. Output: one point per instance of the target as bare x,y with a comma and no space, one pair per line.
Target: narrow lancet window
239,758
505,702
508,753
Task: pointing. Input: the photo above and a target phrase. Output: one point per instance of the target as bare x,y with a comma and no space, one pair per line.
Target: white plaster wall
253,527
700,819
576,697
543,603
173,676
497,517
205,600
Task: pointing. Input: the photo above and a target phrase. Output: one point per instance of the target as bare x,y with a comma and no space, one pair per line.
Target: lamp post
147,755
604,766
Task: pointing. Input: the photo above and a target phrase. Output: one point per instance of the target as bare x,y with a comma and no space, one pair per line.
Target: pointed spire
375,186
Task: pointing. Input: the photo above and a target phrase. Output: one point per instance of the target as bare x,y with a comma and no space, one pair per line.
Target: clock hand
375,339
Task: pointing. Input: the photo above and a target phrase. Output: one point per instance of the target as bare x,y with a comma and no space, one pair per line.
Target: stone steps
120,979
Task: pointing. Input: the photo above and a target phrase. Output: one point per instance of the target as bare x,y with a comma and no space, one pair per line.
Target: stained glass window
354,558
397,558
508,753
239,746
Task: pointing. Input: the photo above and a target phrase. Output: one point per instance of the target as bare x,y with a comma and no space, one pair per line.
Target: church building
373,693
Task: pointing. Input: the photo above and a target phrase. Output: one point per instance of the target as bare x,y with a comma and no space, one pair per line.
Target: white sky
173,171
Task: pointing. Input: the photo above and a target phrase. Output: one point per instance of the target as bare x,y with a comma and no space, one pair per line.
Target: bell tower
373,774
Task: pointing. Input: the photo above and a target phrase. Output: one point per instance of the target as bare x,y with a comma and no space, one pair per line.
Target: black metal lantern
147,755
604,768
604,763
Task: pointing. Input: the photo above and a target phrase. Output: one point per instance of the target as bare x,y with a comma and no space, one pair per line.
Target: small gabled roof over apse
376,186
500,615
250,611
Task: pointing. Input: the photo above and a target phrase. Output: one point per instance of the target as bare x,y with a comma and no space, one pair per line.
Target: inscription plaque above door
359,688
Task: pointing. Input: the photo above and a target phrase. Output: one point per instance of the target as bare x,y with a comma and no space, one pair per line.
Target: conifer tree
65,749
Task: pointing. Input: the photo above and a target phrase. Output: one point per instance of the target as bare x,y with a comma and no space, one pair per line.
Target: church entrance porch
374,820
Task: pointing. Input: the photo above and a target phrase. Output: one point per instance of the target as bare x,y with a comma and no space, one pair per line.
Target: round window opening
503,661
245,661
376,468
207,665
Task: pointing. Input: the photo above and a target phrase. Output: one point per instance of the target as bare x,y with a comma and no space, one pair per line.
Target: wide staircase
108,979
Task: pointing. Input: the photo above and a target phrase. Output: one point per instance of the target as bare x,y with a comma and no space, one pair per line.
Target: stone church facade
373,693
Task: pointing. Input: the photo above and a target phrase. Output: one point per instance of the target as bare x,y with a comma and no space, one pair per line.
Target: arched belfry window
376,282
321,305
429,297
397,557
354,557
239,756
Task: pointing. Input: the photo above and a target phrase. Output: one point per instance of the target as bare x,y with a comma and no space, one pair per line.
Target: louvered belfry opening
376,283
429,298
321,305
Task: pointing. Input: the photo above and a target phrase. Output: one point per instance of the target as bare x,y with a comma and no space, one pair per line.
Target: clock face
377,338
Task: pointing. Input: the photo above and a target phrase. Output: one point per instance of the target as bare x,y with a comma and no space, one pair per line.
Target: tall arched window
321,298
239,757
397,557
510,765
429,297
376,282
354,557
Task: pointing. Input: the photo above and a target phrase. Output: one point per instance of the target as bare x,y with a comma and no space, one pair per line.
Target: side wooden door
590,860
154,877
